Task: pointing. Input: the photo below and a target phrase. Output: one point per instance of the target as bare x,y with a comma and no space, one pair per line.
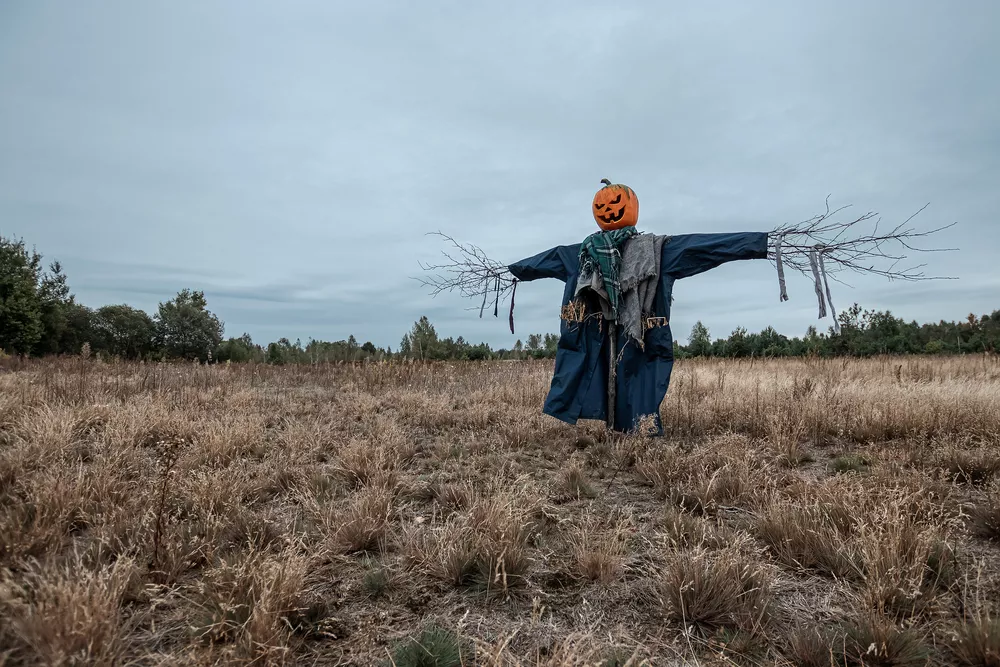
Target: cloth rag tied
640,274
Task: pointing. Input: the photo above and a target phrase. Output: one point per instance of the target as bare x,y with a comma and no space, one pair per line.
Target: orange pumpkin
615,206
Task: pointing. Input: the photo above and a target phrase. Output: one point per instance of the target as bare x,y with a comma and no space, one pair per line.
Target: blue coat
580,382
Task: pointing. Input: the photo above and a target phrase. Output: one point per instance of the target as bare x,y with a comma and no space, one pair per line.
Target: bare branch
869,253
469,271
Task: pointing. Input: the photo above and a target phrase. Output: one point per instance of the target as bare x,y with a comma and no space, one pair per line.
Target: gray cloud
289,159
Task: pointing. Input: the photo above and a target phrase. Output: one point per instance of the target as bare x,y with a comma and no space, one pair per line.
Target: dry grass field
797,512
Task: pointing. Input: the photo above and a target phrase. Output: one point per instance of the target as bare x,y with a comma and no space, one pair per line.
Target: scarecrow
615,352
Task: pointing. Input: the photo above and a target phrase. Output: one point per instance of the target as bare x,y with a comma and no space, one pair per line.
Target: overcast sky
288,158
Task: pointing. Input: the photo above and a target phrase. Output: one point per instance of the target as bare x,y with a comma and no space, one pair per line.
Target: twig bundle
468,270
868,253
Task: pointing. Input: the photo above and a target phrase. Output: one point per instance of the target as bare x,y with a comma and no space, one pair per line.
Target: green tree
239,350
405,347
737,345
934,347
275,353
79,328
285,352
551,343
699,342
55,302
123,331
185,328
423,339
772,343
480,352
20,306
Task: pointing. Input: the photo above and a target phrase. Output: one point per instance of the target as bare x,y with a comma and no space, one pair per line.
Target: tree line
863,333
40,316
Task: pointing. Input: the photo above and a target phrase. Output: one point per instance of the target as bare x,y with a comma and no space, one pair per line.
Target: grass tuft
66,615
376,581
600,552
810,646
716,590
974,468
811,538
365,523
875,641
977,642
848,463
573,483
985,519
433,647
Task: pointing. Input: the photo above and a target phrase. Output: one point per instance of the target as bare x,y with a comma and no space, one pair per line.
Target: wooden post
612,372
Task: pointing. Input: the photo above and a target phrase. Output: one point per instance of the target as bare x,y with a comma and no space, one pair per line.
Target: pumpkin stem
605,181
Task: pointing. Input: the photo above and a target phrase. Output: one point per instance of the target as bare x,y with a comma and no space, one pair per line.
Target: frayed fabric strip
829,298
814,263
783,293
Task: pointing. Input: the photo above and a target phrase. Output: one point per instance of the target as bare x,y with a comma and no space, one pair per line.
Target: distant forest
40,316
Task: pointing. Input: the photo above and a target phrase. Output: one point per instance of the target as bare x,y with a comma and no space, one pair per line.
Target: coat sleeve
547,264
690,254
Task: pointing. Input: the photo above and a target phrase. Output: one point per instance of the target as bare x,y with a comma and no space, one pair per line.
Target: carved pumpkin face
615,206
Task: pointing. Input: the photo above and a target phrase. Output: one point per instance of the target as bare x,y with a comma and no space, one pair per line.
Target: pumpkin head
615,206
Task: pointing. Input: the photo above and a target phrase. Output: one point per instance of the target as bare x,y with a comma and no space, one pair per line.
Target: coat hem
561,417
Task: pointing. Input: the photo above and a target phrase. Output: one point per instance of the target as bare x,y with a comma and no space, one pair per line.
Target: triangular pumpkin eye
617,200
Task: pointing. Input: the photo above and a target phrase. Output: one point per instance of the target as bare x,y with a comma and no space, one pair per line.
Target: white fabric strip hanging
783,293
814,263
829,298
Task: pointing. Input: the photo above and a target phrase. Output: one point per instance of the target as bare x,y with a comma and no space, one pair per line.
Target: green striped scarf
601,251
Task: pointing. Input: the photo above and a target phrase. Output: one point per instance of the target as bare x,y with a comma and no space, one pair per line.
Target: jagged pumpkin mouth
614,217
609,215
